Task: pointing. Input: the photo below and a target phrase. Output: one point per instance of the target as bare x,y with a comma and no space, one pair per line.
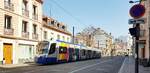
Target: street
103,65
74,36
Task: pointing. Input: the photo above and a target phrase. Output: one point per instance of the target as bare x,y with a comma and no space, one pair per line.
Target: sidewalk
129,66
15,65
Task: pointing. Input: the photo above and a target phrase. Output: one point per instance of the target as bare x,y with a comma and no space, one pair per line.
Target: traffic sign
132,21
135,21
137,11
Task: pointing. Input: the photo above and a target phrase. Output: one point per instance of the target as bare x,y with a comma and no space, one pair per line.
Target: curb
15,65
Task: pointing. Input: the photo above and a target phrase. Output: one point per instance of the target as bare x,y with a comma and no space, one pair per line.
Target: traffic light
132,31
135,32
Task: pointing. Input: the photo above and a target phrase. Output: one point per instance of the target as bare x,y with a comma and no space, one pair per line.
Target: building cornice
58,30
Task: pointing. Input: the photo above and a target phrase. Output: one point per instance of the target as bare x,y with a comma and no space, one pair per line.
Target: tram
60,51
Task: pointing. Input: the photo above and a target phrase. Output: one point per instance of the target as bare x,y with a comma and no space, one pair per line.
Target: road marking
88,66
122,66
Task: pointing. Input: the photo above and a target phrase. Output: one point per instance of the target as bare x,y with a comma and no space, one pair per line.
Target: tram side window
62,50
83,52
52,48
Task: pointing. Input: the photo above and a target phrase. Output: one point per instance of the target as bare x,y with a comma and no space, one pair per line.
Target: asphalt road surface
103,65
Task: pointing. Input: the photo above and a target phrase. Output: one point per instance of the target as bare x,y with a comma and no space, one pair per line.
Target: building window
34,29
34,9
58,25
67,39
63,38
35,15
52,33
45,34
8,22
9,1
24,26
24,5
8,5
58,37
31,51
63,27
52,36
52,22
24,8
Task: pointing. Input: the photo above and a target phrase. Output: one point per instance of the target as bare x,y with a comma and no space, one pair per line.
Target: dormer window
58,24
52,22
63,27
45,19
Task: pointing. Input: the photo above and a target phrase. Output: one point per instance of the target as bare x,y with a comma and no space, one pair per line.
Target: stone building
20,24
53,30
97,38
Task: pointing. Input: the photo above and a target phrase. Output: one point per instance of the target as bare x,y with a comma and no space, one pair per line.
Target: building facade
20,24
97,38
103,41
53,30
129,48
121,46
86,37
144,40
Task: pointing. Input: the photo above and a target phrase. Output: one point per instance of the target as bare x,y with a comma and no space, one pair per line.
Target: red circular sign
137,11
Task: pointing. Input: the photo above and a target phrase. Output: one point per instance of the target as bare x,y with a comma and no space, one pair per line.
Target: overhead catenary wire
70,14
50,9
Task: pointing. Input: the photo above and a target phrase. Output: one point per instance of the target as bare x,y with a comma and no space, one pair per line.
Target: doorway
7,53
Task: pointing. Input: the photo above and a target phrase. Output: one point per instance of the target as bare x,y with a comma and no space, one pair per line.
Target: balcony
25,34
8,5
25,12
34,36
35,16
8,31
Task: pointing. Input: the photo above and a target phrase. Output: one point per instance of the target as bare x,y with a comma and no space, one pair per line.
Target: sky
110,15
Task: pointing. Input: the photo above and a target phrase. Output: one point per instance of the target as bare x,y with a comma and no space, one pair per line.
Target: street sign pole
137,56
137,48
135,32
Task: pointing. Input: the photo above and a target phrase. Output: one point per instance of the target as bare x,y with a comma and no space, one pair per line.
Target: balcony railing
8,5
25,34
8,31
35,16
34,36
25,12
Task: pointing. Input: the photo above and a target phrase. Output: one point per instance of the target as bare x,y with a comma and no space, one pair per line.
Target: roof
40,1
54,27
58,30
